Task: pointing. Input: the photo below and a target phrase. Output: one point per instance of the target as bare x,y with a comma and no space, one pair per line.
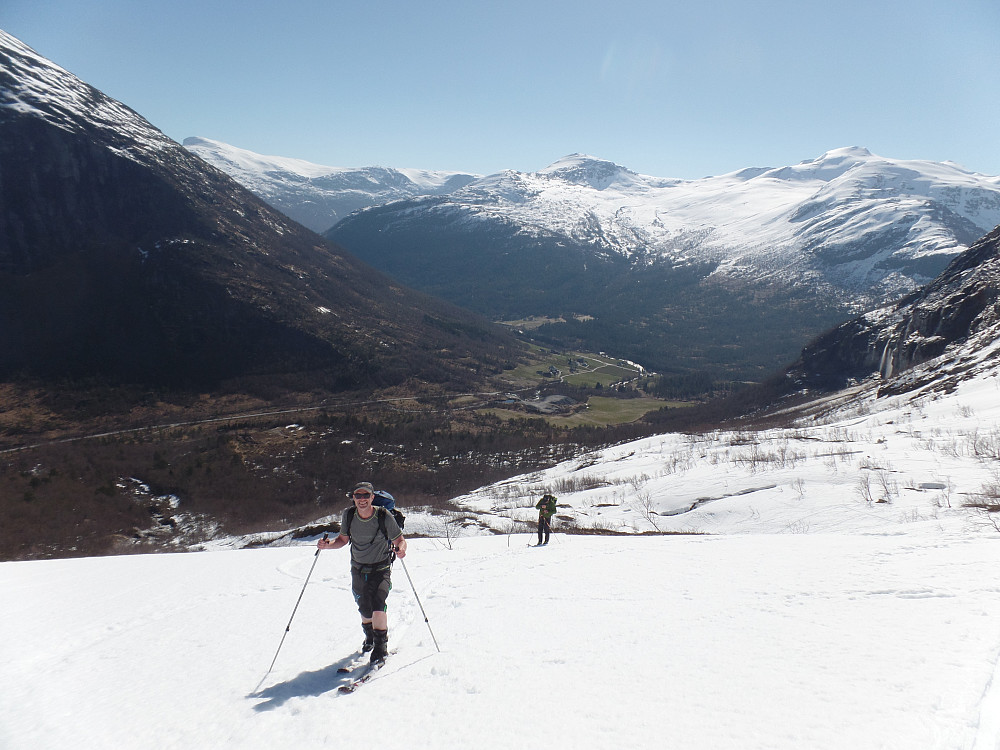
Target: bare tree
865,488
647,509
799,486
888,485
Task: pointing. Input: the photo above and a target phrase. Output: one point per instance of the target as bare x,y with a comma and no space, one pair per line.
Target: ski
368,674
370,671
355,663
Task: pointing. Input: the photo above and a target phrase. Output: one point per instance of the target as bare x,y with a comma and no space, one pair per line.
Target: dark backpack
384,500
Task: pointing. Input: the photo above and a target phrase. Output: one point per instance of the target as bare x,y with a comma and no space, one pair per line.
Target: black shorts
371,586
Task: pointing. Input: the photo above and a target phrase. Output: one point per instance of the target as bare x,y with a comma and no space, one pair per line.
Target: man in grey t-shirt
371,563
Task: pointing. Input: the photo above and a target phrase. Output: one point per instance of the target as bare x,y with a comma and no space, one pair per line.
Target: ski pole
403,563
289,625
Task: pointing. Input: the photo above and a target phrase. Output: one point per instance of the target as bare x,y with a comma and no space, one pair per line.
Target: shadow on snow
307,684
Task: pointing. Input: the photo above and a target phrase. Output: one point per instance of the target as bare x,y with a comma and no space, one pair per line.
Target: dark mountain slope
671,318
123,256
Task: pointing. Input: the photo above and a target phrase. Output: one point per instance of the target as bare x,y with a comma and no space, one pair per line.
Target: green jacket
546,506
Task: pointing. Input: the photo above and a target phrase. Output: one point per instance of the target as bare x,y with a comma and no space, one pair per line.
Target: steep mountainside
124,256
732,274
957,315
316,196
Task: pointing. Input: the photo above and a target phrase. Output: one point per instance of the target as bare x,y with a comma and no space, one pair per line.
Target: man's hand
335,543
400,545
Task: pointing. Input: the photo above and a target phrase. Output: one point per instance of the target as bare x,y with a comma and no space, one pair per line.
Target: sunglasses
362,495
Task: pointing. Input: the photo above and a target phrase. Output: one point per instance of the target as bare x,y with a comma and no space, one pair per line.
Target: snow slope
253,166
800,616
37,86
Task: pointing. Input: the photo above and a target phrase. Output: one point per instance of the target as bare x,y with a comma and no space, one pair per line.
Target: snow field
754,641
926,455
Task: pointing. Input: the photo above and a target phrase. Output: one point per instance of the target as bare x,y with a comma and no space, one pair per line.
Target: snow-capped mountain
860,224
865,227
317,196
748,266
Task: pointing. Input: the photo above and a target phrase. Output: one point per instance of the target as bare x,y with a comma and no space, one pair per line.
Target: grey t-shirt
368,545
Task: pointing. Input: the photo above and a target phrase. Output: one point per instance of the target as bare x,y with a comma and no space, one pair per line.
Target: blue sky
672,89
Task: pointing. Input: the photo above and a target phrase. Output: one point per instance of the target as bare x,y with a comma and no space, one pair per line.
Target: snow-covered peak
34,86
830,166
858,220
233,159
247,161
316,195
865,227
590,171
573,162
846,153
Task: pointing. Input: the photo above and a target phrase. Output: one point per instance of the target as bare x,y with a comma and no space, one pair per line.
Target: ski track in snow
988,733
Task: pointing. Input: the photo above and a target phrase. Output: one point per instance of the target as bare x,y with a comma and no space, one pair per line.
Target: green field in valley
576,368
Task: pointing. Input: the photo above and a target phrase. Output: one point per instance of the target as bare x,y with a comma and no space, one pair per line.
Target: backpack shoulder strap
346,530
381,520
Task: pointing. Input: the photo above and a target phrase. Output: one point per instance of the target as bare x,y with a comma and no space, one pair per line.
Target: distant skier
546,509
375,538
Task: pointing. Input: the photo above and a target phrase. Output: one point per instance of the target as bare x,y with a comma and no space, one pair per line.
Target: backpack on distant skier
547,506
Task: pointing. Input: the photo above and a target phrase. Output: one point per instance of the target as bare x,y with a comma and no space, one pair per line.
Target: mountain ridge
318,196
659,217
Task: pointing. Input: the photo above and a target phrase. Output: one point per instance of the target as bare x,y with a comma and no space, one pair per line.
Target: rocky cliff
953,315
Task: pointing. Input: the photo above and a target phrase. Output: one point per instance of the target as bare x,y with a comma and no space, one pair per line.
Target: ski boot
369,643
380,649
